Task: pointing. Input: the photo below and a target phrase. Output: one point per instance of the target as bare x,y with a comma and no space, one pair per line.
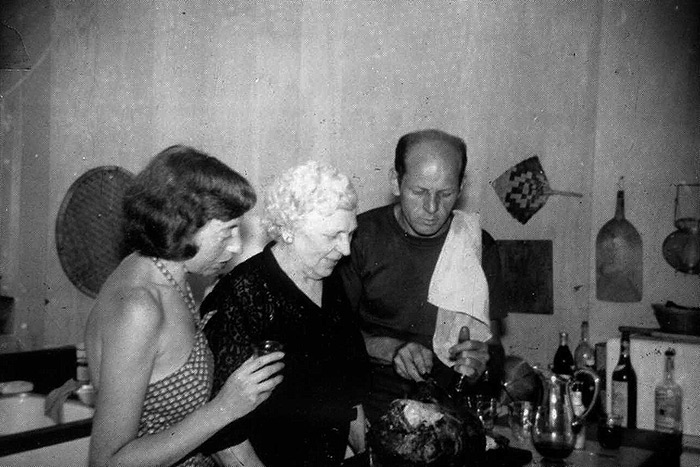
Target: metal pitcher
556,425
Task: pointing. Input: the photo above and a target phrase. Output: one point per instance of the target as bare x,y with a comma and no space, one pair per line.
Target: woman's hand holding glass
251,384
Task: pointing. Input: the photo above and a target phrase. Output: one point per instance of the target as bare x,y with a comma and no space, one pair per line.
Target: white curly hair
310,187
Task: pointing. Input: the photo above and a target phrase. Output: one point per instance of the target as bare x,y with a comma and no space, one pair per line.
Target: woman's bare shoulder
134,307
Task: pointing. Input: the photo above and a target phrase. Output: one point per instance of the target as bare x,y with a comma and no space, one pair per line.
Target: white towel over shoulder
458,286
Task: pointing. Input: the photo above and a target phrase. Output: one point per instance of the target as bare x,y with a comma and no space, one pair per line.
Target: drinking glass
610,431
486,408
267,346
520,417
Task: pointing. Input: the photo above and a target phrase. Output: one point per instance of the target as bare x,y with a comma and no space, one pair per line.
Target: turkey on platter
428,429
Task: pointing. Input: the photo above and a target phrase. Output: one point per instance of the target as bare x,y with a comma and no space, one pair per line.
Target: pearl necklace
187,297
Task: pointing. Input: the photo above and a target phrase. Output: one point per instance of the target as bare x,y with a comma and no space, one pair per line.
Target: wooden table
592,456
640,448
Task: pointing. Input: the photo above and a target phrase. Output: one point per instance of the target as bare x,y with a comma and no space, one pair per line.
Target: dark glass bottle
624,386
601,368
563,360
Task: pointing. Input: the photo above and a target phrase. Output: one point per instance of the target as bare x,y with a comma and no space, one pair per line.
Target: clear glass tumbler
267,346
486,408
520,417
610,431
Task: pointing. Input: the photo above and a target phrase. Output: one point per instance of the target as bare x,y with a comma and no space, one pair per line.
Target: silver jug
555,427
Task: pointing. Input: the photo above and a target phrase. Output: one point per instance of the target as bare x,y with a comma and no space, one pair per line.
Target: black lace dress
305,422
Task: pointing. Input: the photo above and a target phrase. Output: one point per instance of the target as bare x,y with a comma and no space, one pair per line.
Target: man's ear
463,185
394,182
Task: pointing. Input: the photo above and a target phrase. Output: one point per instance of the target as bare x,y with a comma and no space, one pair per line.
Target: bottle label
577,402
619,400
82,374
578,408
668,413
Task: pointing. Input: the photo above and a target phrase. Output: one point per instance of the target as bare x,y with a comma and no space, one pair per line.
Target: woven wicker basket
89,235
677,319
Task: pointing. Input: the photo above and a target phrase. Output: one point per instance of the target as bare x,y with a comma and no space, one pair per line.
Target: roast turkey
429,429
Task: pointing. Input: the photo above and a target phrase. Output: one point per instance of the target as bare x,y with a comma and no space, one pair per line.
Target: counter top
42,437
592,456
640,448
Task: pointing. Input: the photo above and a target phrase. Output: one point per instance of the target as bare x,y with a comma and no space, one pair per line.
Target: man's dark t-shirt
387,278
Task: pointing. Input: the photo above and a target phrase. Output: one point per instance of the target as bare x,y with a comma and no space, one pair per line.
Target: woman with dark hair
149,359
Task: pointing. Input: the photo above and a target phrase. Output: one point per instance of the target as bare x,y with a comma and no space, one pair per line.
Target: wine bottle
624,386
584,357
601,369
668,400
563,360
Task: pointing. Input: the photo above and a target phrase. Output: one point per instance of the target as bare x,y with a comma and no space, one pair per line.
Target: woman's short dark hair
176,194
410,139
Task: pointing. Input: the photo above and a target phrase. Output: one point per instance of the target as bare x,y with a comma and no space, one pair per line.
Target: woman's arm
129,351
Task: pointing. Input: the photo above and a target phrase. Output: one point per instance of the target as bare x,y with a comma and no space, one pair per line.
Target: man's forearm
382,348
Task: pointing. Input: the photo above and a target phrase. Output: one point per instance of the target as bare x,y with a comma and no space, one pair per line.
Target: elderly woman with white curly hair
288,293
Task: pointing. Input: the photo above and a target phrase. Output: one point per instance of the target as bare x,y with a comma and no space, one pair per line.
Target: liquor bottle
668,400
459,381
584,357
624,386
82,373
578,407
563,360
